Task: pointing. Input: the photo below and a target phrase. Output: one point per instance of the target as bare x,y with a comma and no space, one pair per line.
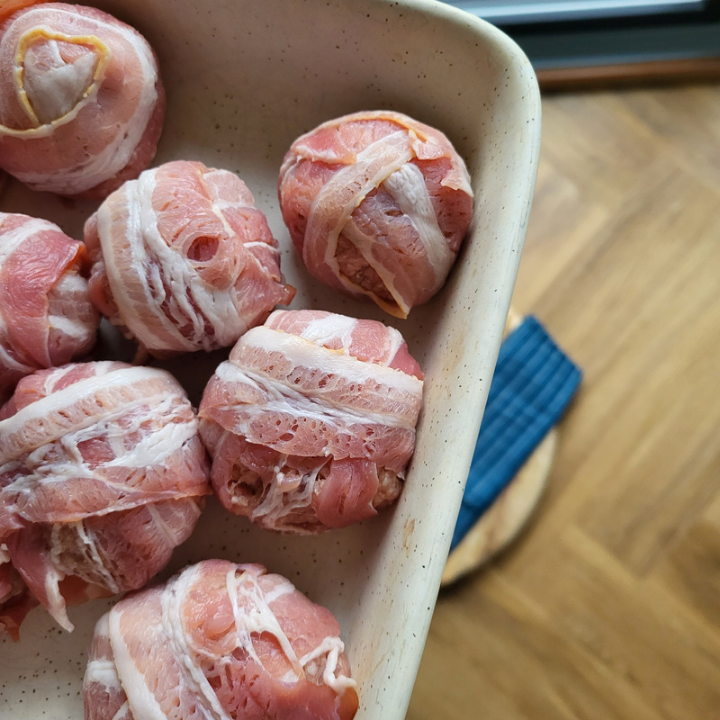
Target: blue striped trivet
533,383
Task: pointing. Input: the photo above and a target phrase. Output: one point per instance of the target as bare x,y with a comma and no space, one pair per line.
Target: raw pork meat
46,317
102,474
311,421
81,101
15,601
377,204
219,642
8,7
183,260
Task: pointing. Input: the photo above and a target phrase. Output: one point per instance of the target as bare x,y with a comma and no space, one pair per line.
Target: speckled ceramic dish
244,78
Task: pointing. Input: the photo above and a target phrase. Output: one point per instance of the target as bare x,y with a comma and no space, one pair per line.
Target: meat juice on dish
220,641
377,205
102,474
183,260
46,318
81,100
310,423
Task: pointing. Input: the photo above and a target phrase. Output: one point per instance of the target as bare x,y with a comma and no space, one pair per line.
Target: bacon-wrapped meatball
46,318
81,101
182,259
102,474
311,421
377,204
219,641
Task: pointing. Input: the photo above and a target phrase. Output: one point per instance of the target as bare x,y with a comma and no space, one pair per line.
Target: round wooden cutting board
504,520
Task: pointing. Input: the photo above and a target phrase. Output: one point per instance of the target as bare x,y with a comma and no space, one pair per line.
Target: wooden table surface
608,606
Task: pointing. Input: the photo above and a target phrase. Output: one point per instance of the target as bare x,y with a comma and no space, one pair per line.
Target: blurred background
607,605
571,40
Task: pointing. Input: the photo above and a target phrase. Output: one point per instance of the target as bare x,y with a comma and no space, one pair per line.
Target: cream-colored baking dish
244,78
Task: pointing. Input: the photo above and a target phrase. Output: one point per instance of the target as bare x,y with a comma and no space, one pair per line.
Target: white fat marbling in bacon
102,474
46,317
311,421
377,204
182,259
219,642
81,101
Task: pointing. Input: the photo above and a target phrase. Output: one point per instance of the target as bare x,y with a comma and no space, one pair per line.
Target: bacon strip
311,421
219,641
377,204
46,318
183,260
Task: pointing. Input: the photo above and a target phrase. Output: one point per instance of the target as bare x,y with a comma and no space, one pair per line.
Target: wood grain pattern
608,606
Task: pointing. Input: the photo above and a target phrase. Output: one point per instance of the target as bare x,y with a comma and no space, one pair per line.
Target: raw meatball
219,641
377,205
81,101
311,421
182,259
102,474
46,318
